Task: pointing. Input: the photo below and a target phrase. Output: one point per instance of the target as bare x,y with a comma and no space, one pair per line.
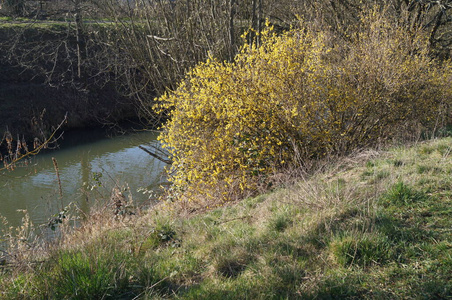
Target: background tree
144,47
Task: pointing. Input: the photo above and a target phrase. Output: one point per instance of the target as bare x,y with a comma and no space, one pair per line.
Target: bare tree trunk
79,38
439,16
253,22
231,29
259,22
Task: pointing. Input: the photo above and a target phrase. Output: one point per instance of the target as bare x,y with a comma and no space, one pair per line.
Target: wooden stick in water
57,171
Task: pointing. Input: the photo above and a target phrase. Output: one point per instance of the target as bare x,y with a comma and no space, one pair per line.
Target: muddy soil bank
28,108
28,105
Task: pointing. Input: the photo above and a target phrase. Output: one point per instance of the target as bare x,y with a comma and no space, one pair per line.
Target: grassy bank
375,226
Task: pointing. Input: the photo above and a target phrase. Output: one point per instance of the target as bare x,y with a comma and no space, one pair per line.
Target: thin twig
37,149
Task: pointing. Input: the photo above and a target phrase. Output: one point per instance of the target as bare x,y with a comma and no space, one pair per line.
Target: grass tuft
361,250
402,194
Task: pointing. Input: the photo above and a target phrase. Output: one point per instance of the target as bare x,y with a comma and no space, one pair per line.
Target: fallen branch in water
165,160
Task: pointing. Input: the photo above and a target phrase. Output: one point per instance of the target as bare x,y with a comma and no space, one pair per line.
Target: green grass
378,228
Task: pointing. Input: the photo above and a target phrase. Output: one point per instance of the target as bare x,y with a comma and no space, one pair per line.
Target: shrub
301,95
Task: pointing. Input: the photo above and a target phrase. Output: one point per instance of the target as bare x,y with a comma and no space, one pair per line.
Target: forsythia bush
300,95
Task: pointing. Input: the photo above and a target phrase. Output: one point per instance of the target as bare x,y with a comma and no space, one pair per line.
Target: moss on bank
372,226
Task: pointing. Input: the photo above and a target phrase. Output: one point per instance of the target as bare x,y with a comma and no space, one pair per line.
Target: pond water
89,165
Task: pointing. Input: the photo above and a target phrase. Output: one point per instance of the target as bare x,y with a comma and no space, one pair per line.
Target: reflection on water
82,154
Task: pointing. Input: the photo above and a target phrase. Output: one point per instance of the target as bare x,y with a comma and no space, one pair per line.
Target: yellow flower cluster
299,95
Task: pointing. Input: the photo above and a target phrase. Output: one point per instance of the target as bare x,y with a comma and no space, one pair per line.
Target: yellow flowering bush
300,95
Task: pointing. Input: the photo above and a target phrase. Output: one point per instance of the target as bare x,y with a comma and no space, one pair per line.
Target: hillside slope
374,226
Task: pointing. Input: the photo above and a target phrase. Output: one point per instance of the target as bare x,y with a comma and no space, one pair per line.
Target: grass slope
374,226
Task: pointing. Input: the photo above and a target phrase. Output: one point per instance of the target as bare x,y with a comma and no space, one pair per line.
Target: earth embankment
30,103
